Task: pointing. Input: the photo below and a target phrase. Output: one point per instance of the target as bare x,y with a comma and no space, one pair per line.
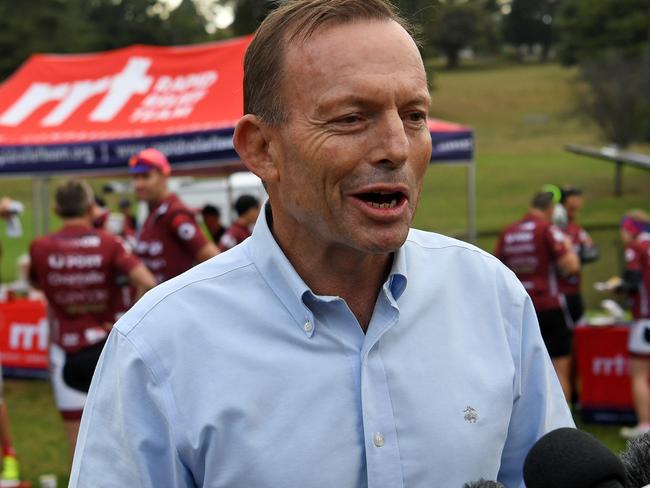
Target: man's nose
392,140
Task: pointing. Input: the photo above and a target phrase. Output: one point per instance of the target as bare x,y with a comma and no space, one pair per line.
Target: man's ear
252,141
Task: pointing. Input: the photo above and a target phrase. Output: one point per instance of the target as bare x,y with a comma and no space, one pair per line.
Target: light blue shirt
235,374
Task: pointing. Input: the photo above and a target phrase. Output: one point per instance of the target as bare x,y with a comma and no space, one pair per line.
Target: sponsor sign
603,367
24,336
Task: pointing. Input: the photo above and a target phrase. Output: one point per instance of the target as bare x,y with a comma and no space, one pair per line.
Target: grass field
522,117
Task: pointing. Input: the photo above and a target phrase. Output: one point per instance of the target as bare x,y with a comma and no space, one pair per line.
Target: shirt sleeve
126,437
189,234
539,406
123,259
555,240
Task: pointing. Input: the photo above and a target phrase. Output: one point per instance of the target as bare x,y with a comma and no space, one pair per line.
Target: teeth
392,204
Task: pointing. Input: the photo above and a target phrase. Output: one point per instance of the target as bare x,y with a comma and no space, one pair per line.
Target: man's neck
154,202
336,270
77,222
538,214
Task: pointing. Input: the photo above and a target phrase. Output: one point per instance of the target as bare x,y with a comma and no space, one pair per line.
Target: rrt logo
28,336
165,97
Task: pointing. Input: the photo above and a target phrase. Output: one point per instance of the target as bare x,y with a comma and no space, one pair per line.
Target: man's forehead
338,42
342,55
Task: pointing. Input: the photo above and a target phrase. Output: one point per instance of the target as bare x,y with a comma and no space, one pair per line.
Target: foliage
531,22
66,26
589,28
610,41
249,14
456,25
618,96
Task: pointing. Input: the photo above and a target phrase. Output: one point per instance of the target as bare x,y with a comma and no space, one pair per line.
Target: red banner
24,335
132,92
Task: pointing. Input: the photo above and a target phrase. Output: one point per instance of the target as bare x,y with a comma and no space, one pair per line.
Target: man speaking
334,347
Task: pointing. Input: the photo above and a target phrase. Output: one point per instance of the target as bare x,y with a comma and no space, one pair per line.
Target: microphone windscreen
636,460
483,484
570,458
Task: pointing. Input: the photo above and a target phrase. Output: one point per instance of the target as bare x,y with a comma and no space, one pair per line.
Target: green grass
522,117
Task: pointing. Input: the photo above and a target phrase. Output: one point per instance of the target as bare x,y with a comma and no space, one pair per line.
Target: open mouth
382,199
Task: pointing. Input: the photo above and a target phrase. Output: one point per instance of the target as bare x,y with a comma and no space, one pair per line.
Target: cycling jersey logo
186,231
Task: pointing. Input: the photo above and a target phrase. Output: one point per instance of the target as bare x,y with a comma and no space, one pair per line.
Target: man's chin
383,244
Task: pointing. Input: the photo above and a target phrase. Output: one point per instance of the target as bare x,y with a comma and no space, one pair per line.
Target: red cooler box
605,393
24,338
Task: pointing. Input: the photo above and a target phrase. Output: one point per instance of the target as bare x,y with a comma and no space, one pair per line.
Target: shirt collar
287,284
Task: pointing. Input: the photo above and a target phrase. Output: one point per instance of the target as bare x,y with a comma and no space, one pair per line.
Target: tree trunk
452,58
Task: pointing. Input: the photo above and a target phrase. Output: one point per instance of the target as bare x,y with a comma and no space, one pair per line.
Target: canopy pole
471,202
40,204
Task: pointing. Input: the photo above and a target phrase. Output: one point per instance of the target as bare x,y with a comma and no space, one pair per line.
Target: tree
610,42
249,14
589,28
457,25
67,26
530,23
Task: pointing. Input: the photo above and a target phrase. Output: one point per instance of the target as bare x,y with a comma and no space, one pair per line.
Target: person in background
170,241
538,252
570,206
130,222
248,209
335,347
76,267
10,466
100,213
572,202
212,219
635,234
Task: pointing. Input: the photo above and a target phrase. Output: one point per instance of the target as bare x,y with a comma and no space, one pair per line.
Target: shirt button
308,327
378,439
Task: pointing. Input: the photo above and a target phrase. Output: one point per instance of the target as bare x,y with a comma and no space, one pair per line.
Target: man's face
353,152
150,186
573,205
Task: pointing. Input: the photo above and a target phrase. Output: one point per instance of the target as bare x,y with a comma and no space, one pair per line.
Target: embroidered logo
471,415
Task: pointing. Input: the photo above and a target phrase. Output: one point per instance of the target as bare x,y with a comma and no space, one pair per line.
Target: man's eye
416,116
349,119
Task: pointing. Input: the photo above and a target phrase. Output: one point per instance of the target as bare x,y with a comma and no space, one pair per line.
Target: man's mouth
382,199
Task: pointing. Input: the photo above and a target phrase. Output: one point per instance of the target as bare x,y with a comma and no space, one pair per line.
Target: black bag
80,366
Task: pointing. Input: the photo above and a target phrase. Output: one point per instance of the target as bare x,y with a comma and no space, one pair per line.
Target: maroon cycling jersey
77,269
169,240
530,248
235,234
570,284
637,258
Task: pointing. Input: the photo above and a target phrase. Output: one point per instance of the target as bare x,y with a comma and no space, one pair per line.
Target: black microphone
570,458
636,460
483,484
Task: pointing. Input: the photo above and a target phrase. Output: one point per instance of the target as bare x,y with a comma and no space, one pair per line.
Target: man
76,267
248,209
572,201
212,220
169,242
537,251
635,234
328,349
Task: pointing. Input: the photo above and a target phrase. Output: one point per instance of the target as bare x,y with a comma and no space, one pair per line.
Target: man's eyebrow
356,100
